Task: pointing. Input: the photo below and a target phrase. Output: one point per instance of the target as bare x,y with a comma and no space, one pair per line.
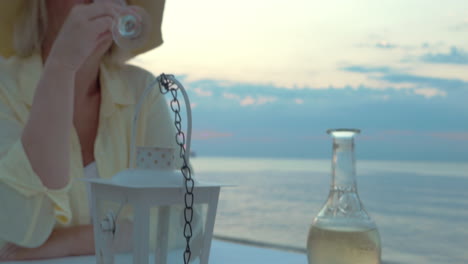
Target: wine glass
132,29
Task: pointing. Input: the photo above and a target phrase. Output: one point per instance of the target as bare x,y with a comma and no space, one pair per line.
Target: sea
421,208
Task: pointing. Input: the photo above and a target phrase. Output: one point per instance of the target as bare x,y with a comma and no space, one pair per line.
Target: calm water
421,208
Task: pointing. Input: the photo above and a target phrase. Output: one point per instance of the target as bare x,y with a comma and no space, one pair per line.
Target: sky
266,78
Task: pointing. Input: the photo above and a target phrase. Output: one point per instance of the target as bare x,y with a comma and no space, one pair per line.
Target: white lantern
153,213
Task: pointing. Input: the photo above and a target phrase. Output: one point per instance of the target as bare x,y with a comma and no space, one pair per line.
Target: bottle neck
343,164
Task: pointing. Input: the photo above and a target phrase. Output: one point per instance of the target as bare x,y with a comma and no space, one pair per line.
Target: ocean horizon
419,206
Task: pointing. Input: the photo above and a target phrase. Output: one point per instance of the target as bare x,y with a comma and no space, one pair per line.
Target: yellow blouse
28,210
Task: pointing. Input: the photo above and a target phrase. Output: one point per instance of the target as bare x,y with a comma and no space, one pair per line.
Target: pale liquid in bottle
342,246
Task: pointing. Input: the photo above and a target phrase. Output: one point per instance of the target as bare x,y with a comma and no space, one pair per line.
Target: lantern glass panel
167,232
115,228
156,232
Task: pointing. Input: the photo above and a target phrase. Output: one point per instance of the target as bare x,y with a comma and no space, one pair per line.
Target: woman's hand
63,242
11,252
86,30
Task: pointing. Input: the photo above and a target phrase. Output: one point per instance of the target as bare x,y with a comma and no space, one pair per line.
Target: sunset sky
268,77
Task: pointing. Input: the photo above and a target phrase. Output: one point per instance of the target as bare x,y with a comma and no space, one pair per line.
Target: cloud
454,56
424,81
383,44
430,92
266,99
366,69
394,76
401,94
299,101
361,106
231,96
201,92
414,126
429,45
247,101
261,100
462,26
379,42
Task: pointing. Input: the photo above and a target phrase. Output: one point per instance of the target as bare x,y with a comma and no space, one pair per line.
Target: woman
66,105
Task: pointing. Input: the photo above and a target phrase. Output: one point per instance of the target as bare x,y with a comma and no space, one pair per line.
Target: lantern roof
141,178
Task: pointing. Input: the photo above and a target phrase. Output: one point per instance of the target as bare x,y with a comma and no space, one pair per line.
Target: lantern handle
145,93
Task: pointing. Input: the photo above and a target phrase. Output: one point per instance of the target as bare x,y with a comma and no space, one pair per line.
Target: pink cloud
262,139
209,134
299,101
389,134
397,133
247,101
461,136
316,137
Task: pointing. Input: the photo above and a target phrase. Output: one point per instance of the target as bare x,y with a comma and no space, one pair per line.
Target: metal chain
167,85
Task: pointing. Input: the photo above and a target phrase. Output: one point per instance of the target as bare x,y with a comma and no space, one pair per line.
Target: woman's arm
46,136
71,241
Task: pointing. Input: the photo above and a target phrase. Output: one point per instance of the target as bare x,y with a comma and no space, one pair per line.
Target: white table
221,253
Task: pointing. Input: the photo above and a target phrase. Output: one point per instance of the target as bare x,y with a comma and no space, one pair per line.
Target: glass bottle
343,232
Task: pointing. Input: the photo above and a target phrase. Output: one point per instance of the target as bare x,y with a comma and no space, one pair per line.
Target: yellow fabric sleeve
28,210
16,171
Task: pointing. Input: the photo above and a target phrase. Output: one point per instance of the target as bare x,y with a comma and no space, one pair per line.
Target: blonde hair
31,28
